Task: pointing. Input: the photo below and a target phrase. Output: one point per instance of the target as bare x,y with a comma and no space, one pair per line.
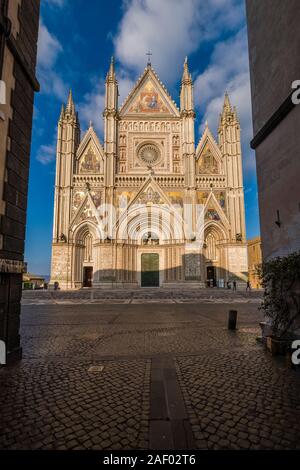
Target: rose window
149,153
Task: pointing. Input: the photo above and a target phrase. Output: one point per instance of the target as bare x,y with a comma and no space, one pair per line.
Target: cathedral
148,207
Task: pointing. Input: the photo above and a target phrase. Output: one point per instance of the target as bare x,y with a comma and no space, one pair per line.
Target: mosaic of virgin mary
149,101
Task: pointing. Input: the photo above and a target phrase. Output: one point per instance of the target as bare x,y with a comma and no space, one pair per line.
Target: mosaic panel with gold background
149,101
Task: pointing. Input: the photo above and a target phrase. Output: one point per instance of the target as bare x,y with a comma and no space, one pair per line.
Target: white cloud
171,29
53,84
93,103
46,154
92,107
49,49
228,70
56,3
125,85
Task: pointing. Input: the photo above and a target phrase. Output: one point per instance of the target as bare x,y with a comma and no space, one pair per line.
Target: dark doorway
211,276
150,270
87,276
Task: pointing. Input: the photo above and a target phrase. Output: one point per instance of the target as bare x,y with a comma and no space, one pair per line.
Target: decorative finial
186,77
149,54
227,104
91,123
62,112
111,70
70,108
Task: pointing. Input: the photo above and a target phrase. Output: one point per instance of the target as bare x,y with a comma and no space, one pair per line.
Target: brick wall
19,47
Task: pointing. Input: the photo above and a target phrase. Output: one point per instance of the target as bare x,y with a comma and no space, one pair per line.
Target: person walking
248,288
234,285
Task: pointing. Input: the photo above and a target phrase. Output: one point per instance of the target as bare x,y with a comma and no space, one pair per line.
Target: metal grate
95,368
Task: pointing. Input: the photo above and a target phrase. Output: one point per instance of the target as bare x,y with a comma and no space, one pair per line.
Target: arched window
211,250
88,247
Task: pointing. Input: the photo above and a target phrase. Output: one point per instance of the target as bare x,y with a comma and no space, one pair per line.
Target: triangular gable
213,211
149,193
87,211
89,138
155,196
208,155
208,139
90,154
149,96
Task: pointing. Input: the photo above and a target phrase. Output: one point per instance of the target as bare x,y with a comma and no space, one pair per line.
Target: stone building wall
19,21
274,38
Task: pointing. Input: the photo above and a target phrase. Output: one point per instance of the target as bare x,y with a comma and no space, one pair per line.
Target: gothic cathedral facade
112,223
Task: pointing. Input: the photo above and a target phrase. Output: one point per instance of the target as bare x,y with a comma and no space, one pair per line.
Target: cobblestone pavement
148,295
169,376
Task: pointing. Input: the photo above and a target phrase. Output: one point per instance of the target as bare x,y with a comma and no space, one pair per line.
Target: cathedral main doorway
150,270
211,276
87,276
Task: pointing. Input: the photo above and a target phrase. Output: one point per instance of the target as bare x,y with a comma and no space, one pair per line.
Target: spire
186,76
228,118
226,105
70,108
62,112
111,72
186,90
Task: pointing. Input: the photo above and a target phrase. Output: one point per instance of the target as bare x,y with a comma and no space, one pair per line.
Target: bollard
232,319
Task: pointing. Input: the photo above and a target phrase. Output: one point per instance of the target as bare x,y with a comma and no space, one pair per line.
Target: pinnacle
62,112
186,76
111,71
70,108
226,105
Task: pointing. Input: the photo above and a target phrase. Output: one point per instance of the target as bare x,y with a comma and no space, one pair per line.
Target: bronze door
211,276
150,270
87,276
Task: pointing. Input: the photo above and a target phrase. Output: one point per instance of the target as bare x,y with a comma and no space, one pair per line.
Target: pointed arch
84,236
87,213
214,235
83,229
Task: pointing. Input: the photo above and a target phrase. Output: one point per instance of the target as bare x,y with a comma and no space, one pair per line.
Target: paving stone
235,394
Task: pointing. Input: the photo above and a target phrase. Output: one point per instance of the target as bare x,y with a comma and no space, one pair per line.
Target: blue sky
77,39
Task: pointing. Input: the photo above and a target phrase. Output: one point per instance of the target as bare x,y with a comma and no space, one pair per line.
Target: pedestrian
228,285
248,288
234,285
